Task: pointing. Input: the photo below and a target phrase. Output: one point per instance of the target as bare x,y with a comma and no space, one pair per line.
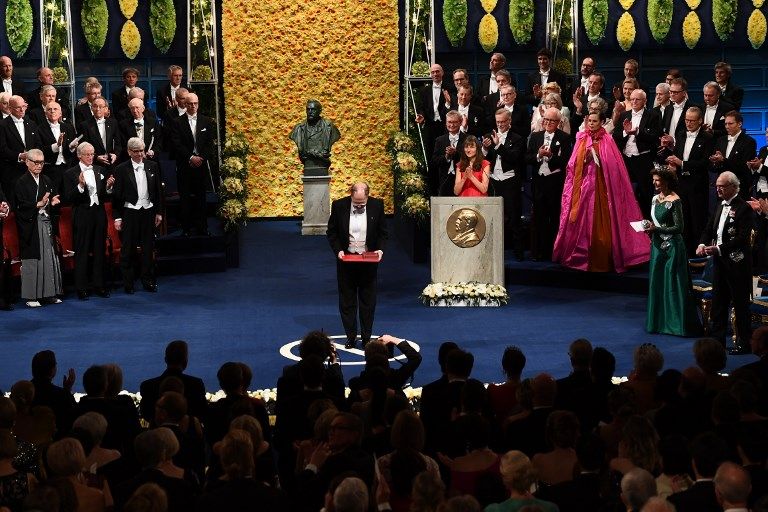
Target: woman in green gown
671,307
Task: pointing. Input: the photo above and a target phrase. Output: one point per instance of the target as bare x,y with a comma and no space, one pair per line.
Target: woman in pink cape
597,207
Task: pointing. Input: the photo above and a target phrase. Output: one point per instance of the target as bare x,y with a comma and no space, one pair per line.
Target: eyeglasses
37,162
720,187
549,120
675,92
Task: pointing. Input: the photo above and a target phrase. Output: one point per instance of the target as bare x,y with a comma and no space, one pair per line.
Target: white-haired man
136,207
726,238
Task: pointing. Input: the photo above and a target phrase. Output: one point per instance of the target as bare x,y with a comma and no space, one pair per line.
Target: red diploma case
366,257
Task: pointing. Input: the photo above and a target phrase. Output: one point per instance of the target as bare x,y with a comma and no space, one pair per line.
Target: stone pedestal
317,204
467,239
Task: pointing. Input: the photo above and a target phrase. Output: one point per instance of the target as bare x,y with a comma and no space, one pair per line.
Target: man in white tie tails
193,136
715,109
86,187
136,206
445,155
17,135
636,136
691,162
548,153
734,150
10,84
102,133
726,238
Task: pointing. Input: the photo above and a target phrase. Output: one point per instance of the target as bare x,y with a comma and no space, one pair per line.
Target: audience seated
620,460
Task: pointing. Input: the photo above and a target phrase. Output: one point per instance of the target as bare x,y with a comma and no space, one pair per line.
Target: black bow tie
358,209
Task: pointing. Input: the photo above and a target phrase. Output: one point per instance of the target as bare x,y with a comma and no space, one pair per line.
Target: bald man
357,226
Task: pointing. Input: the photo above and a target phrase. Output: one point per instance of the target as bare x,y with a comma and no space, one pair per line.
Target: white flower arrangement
464,294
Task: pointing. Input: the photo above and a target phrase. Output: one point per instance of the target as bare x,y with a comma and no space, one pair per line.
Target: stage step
531,273
178,254
201,263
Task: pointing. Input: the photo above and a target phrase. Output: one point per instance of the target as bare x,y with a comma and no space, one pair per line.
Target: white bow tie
192,118
453,138
726,203
677,106
100,121
18,121
88,168
138,168
637,114
731,138
435,86
692,135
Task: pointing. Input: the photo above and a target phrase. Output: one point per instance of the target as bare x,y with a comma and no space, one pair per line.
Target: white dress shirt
631,148
139,172
454,141
731,142
498,173
358,230
90,182
677,112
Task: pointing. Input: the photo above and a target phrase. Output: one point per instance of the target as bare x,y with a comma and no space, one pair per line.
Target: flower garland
464,294
234,171
408,170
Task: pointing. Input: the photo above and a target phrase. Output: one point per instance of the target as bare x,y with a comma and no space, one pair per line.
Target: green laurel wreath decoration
19,25
595,17
455,21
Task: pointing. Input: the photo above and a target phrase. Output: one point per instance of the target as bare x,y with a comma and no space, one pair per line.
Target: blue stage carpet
286,286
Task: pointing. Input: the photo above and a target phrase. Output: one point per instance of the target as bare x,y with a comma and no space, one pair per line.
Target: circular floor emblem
347,356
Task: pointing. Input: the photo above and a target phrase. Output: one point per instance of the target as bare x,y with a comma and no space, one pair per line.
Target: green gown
671,307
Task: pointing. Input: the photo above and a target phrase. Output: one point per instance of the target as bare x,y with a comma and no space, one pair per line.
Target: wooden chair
12,256
66,241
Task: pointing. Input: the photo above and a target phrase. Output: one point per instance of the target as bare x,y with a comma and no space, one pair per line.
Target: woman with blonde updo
518,475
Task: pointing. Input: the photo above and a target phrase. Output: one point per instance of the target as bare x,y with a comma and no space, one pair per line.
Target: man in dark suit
662,105
5,208
166,95
520,121
357,226
10,84
14,146
446,155
487,84
84,111
548,154
637,135
715,109
431,109
708,451
57,139
135,93
759,168
631,71
505,150
734,150
674,121
86,187
581,99
46,95
731,92
45,77
176,361
136,207
120,95
691,161
544,75
492,102
48,394
103,134
726,238
142,126
472,121
193,145
580,85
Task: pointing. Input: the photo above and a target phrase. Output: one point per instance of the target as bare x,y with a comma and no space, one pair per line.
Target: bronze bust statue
314,138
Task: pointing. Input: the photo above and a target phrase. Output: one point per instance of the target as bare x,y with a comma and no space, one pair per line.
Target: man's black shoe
350,344
739,351
129,290
82,294
103,293
149,286
6,307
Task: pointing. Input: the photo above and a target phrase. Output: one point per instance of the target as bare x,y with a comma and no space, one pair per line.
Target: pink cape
628,247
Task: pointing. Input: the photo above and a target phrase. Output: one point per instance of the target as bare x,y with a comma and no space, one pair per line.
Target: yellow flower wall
277,55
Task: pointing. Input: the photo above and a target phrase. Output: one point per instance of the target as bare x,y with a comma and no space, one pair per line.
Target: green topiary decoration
95,21
521,20
595,16
162,22
455,21
660,18
19,23
724,17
